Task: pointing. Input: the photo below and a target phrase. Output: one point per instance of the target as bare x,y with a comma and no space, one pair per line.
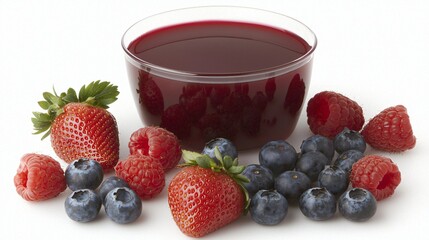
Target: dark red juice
211,103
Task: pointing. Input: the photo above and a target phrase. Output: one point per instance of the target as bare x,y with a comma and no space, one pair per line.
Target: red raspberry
145,175
329,113
157,143
377,174
390,130
39,177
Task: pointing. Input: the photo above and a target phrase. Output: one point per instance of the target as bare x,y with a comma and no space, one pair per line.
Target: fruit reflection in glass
212,72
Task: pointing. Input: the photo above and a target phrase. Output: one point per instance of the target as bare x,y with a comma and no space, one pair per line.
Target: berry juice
212,79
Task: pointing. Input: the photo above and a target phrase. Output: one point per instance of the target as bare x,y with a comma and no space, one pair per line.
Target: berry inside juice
249,112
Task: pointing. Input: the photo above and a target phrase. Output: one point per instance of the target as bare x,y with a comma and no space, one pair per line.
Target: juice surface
249,113
218,47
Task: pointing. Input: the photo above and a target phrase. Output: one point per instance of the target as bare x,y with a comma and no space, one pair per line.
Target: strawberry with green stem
79,124
205,195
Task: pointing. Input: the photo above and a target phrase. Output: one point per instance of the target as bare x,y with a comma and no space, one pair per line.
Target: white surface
375,52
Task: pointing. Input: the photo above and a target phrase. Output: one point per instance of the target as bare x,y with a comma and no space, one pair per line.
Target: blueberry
110,183
268,207
260,178
278,156
311,163
349,139
334,179
346,160
357,205
225,146
84,174
83,205
317,204
318,143
291,184
123,205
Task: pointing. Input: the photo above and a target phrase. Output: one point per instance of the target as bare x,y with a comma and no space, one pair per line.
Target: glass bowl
220,71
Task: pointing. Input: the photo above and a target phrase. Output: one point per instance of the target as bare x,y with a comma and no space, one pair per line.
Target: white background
375,52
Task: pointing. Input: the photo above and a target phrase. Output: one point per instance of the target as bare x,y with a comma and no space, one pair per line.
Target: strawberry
79,125
205,196
390,130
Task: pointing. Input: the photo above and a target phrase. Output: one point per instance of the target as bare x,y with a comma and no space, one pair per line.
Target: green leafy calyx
223,164
99,94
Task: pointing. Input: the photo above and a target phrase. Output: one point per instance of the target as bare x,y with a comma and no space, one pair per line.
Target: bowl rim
227,77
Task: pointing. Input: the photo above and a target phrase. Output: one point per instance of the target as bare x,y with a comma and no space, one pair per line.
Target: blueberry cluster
83,177
311,178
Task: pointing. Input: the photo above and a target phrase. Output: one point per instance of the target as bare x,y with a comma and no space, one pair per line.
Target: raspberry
39,177
377,174
144,174
390,130
157,143
329,113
